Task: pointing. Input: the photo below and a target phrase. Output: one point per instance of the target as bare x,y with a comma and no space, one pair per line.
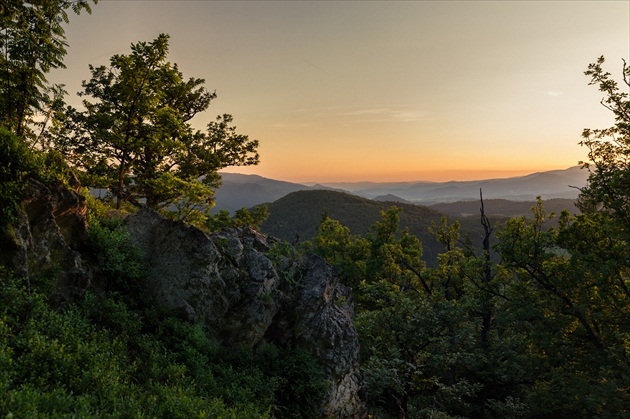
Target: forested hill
238,190
504,207
299,214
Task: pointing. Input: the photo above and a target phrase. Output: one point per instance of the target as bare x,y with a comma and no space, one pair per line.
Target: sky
381,91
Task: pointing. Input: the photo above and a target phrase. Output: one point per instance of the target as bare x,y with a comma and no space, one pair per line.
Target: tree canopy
135,137
535,327
32,42
609,149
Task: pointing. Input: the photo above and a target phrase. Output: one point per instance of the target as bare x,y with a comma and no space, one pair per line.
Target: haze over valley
240,190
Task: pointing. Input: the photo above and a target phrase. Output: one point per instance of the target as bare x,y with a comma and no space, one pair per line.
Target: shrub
17,164
118,257
242,218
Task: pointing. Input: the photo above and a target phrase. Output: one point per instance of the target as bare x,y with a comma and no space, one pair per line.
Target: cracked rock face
50,228
247,288
247,294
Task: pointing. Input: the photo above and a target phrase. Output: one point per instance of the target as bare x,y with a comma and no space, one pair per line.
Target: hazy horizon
381,91
506,175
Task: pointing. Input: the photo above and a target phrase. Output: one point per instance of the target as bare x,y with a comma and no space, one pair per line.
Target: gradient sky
381,91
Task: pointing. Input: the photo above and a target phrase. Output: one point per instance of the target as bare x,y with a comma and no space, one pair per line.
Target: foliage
32,42
574,280
135,139
541,334
301,382
117,257
419,327
107,355
242,218
17,164
609,149
89,360
346,252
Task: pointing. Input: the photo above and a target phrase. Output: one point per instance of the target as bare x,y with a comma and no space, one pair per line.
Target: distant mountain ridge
547,185
240,190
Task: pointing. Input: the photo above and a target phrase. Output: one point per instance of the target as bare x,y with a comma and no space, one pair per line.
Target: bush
17,164
242,218
118,258
103,364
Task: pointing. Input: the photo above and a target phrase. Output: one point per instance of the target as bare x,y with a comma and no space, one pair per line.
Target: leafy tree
435,342
135,137
570,289
32,42
17,163
609,149
347,253
242,218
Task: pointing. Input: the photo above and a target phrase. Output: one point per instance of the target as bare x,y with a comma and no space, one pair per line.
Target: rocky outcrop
322,315
44,240
249,289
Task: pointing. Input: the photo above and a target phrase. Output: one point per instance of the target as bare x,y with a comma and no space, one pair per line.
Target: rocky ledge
246,288
249,289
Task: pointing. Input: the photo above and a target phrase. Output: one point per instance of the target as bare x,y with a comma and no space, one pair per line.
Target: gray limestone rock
247,293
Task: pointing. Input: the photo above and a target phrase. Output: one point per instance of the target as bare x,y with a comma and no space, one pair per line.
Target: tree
135,139
609,150
17,163
242,218
415,327
570,296
570,288
344,251
32,42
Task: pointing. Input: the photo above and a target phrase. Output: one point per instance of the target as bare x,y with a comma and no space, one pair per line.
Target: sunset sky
381,91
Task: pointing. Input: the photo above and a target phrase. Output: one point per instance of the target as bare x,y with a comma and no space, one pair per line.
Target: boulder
249,289
45,239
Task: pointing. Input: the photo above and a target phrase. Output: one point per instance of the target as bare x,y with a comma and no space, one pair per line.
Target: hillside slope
249,190
504,207
299,214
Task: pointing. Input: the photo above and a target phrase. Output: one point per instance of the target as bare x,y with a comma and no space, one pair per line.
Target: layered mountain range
249,190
